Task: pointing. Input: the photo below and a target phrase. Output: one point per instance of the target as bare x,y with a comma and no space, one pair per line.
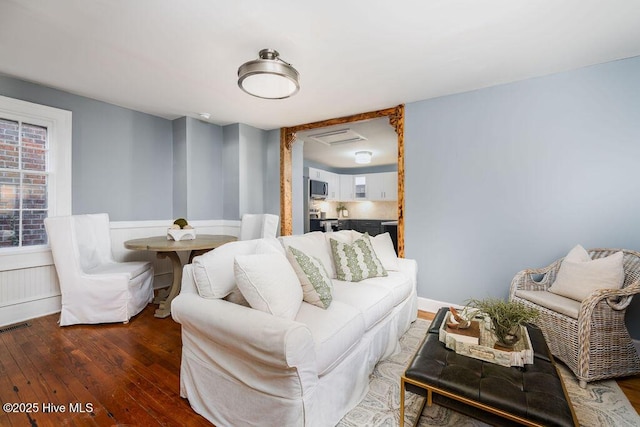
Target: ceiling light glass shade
268,77
363,157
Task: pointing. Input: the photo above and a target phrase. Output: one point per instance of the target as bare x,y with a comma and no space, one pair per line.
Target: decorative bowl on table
178,234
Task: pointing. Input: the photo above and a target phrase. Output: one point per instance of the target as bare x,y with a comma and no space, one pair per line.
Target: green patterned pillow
357,261
316,284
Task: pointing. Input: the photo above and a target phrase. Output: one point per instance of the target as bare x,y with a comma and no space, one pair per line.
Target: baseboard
431,305
21,311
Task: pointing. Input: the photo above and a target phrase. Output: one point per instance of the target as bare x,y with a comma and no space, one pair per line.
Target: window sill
16,259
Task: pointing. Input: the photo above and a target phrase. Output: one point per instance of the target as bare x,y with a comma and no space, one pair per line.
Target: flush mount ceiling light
268,77
363,157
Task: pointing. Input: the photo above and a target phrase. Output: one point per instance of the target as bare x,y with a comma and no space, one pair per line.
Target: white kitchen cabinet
334,186
382,186
346,188
360,187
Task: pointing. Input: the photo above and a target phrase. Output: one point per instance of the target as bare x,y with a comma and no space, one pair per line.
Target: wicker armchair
596,344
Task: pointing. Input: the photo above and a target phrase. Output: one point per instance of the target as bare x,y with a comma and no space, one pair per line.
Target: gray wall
120,157
135,166
230,158
248,163
298,197
252,168
513,176
179,168
272,173
205,170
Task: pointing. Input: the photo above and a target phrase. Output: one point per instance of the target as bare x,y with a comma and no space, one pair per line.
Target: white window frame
59,130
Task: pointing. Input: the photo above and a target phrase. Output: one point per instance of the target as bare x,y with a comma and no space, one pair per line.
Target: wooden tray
486,349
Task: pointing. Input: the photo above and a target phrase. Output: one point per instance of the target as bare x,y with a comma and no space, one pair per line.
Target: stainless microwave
318,189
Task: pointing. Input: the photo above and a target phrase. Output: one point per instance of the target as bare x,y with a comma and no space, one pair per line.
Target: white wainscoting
29,292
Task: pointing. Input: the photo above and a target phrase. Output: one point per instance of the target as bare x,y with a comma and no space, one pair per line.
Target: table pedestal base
165,297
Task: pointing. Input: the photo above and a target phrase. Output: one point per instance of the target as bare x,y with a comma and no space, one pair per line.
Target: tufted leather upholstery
534,392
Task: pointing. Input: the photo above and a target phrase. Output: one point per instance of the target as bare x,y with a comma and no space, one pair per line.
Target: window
23,183
35,172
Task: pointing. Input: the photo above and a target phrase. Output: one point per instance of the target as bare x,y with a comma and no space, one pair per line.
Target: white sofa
241,366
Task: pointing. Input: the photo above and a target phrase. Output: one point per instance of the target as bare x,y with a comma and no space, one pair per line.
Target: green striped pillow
357,261
315,281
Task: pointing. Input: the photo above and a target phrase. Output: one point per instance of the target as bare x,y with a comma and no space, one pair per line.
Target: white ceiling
174,58
378,137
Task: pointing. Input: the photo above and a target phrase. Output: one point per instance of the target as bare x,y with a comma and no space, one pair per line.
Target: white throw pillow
383,246
269,284
578,276
313,244
315,281
269,245
344,236
213,271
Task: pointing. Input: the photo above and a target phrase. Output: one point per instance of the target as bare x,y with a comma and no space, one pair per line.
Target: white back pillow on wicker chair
579,275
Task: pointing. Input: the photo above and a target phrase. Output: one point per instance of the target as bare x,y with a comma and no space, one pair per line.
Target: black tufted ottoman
501,396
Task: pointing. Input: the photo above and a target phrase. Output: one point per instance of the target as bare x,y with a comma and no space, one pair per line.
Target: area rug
602,403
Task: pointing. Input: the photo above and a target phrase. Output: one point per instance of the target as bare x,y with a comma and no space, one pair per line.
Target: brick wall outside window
23,184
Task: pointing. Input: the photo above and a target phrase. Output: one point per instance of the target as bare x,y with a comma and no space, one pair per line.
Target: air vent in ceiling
335,137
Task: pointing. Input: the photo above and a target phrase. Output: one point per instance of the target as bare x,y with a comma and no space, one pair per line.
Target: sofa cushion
335,331
567,306
312,244
375,302
579,275
315,281
269,283
357,261
397,282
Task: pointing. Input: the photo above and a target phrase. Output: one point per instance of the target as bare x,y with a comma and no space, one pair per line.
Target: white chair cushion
357,261
560,304
269,284
335,331
131,268
579,276
374,302
315,281
313,244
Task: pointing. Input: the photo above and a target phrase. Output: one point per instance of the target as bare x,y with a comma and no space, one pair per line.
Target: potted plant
340,208
507,318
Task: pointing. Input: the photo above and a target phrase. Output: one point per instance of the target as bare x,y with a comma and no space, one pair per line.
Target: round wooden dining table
166,248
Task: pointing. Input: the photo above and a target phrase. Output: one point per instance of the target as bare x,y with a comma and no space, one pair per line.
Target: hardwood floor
119,374
107,375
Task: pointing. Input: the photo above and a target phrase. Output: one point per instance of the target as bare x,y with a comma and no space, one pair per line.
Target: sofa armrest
248,333
409,267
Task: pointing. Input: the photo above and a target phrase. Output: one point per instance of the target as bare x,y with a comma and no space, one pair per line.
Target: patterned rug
602,403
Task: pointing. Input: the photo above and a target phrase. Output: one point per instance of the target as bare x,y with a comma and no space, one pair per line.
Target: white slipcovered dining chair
94,287
257,226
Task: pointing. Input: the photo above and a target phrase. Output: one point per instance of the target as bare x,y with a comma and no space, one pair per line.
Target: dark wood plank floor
100,375
107,375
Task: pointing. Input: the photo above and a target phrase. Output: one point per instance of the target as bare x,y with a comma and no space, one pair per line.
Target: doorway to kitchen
357,192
